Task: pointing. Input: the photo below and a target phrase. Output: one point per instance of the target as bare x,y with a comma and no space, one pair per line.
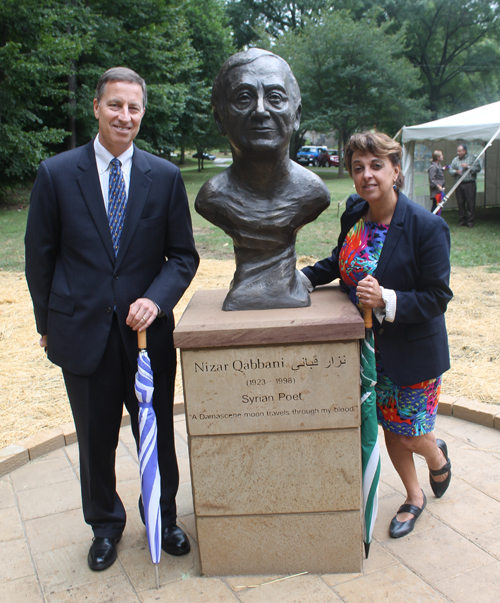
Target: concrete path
452,555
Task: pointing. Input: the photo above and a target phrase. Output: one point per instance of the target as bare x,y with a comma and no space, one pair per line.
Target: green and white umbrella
370,451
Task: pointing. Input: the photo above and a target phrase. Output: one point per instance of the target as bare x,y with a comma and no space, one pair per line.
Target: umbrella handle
367,317
141,340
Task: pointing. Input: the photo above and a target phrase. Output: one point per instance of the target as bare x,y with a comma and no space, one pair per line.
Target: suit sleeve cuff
160,311
388,313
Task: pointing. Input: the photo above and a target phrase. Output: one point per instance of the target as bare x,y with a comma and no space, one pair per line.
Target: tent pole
446,197
408,166
398,133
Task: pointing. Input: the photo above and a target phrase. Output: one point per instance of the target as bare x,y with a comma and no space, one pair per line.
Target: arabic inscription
273,388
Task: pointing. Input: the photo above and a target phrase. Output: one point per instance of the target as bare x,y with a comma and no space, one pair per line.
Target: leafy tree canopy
250,18
352,74
33,63
454,43
212,40
51,55
350,56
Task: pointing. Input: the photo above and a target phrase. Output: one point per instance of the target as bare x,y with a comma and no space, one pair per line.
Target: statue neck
263,174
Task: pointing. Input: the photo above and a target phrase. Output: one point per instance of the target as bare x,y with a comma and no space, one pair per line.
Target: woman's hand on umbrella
369,293
141,314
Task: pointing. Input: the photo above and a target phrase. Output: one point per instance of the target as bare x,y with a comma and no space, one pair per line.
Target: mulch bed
32,391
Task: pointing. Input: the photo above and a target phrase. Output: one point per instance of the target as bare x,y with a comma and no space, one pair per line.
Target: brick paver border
14,456
18,454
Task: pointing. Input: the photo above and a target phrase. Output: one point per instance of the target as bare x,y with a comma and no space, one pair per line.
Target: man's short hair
239,59
436,155
120,74
463,147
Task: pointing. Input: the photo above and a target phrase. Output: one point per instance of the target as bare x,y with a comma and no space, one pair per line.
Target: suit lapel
393,234
140,185
91,190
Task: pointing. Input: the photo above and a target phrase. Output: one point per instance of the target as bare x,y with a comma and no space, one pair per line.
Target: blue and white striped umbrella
148,454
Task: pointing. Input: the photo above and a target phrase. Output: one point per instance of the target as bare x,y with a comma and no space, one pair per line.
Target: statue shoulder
212,191
309,182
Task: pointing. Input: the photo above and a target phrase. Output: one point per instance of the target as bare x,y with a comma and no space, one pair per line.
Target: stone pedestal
272,409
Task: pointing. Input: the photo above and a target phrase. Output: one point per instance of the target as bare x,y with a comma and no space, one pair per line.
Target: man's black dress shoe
401,528
439,488
102,553
175,541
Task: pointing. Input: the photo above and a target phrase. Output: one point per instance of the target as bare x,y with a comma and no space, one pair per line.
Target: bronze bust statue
263,198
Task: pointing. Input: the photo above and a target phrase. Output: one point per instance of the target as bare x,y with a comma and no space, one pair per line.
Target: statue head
256,103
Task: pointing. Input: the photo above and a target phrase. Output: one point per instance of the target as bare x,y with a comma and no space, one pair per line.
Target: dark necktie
117,202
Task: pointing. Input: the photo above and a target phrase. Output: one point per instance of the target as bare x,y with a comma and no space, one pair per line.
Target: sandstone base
274,435
280,544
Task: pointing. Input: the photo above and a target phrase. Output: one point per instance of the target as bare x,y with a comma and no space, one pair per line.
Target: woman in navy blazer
393,256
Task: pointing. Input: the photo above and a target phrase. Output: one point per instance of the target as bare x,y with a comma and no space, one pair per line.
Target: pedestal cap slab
330,317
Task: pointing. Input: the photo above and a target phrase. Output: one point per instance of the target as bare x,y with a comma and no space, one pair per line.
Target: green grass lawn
478,246
13,214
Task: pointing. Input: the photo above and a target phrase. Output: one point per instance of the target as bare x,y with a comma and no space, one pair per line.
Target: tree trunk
182,159
340,173
3,42
343,140
296,142
71,122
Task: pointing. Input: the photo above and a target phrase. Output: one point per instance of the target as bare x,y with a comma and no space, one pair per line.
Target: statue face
260,116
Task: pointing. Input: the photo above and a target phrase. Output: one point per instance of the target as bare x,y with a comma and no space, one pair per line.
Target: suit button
380,331
109,310
115,276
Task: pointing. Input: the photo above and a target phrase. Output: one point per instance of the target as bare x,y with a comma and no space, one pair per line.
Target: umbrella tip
367,549
157,577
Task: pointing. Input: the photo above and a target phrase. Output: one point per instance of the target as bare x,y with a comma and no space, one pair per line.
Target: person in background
466,191
109,252
436,179
394,256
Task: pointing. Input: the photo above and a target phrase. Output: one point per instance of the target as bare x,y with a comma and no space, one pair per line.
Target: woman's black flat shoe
439,488
399,529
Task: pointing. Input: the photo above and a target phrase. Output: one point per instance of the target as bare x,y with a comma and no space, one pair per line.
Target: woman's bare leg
401,449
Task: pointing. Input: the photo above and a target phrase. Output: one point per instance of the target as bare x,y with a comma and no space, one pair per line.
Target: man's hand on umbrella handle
369,293
43,342
141,314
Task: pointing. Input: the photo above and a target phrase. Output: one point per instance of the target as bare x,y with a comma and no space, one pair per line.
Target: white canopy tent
478,124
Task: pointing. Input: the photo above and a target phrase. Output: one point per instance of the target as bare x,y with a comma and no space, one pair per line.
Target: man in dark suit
110,251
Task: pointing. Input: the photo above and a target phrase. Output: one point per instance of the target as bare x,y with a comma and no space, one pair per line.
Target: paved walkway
452,555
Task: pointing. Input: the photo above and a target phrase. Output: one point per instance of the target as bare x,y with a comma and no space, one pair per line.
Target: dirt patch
474,335
32,390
